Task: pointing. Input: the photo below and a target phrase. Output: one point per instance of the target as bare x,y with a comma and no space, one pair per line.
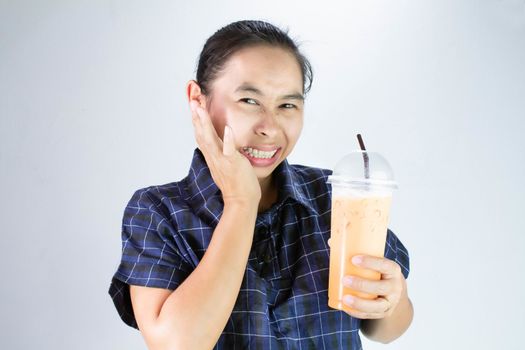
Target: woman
235,255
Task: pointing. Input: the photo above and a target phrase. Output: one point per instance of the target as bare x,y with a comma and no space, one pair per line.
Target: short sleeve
396,251
149,254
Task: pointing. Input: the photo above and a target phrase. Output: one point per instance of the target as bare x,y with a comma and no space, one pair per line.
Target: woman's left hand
389,289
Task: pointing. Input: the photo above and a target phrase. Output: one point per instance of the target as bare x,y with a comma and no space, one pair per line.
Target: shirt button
267,258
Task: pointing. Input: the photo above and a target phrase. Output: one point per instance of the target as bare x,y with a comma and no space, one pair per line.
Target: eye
288,106
249,101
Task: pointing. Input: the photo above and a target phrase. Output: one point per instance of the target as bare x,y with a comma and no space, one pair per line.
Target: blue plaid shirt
283,300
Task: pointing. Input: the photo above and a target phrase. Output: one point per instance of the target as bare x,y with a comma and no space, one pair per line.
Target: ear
194,93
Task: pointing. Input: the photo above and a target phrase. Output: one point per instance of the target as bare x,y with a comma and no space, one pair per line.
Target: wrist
241,202
242,206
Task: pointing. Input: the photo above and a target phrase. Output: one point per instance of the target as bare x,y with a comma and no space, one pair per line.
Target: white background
92,108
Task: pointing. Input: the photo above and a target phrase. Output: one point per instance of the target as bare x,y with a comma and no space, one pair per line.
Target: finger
210,139
197,128
195,120
193,108
329,239
378,306
383,287
228,147
386,266
364,315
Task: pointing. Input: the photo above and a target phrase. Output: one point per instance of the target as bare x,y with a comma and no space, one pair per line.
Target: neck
269,193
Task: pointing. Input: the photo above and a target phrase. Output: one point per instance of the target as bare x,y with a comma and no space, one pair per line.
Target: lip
261,162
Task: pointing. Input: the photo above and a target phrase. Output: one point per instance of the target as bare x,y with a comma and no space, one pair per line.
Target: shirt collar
205,196
292,185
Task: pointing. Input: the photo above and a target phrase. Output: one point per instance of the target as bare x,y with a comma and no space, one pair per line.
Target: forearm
388,329
195,314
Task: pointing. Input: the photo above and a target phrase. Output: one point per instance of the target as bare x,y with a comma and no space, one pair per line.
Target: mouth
256,153
262,158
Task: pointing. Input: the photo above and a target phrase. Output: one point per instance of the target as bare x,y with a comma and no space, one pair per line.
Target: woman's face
259,95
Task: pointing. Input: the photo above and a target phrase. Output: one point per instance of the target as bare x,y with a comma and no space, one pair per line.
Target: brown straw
365,156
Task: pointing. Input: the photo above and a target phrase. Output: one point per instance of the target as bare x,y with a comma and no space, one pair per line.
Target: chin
263,173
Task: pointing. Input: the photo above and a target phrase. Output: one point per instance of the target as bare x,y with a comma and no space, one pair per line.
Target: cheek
293,129
224,111
222,115
241,130
239,123
217,119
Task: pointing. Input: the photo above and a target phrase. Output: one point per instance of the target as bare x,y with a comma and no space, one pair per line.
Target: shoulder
312,177
310,173
160,193
313,187
161,199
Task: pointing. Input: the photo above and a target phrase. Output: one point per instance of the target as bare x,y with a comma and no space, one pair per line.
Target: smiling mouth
255,153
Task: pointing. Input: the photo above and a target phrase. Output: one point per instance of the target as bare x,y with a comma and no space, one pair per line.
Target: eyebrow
246,87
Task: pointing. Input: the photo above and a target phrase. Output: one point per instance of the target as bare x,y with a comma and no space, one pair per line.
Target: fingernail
347,281
358,259
347,299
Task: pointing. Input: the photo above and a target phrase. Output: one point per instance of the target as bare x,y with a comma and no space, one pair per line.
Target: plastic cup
362,186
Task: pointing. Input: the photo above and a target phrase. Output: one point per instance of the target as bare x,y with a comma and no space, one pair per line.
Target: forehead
270,68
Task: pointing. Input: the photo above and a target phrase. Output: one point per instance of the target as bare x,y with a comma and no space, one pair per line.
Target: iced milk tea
358,226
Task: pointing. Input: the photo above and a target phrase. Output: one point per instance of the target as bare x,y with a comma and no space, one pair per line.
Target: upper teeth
259,154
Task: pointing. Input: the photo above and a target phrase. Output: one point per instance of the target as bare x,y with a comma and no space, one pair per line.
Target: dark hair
237,35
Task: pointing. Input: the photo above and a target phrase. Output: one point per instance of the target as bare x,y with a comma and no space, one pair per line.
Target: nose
267,125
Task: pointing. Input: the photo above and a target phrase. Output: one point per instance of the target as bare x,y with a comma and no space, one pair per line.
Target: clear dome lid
363,169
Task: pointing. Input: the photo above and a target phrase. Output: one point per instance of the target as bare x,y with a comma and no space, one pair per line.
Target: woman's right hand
231,171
